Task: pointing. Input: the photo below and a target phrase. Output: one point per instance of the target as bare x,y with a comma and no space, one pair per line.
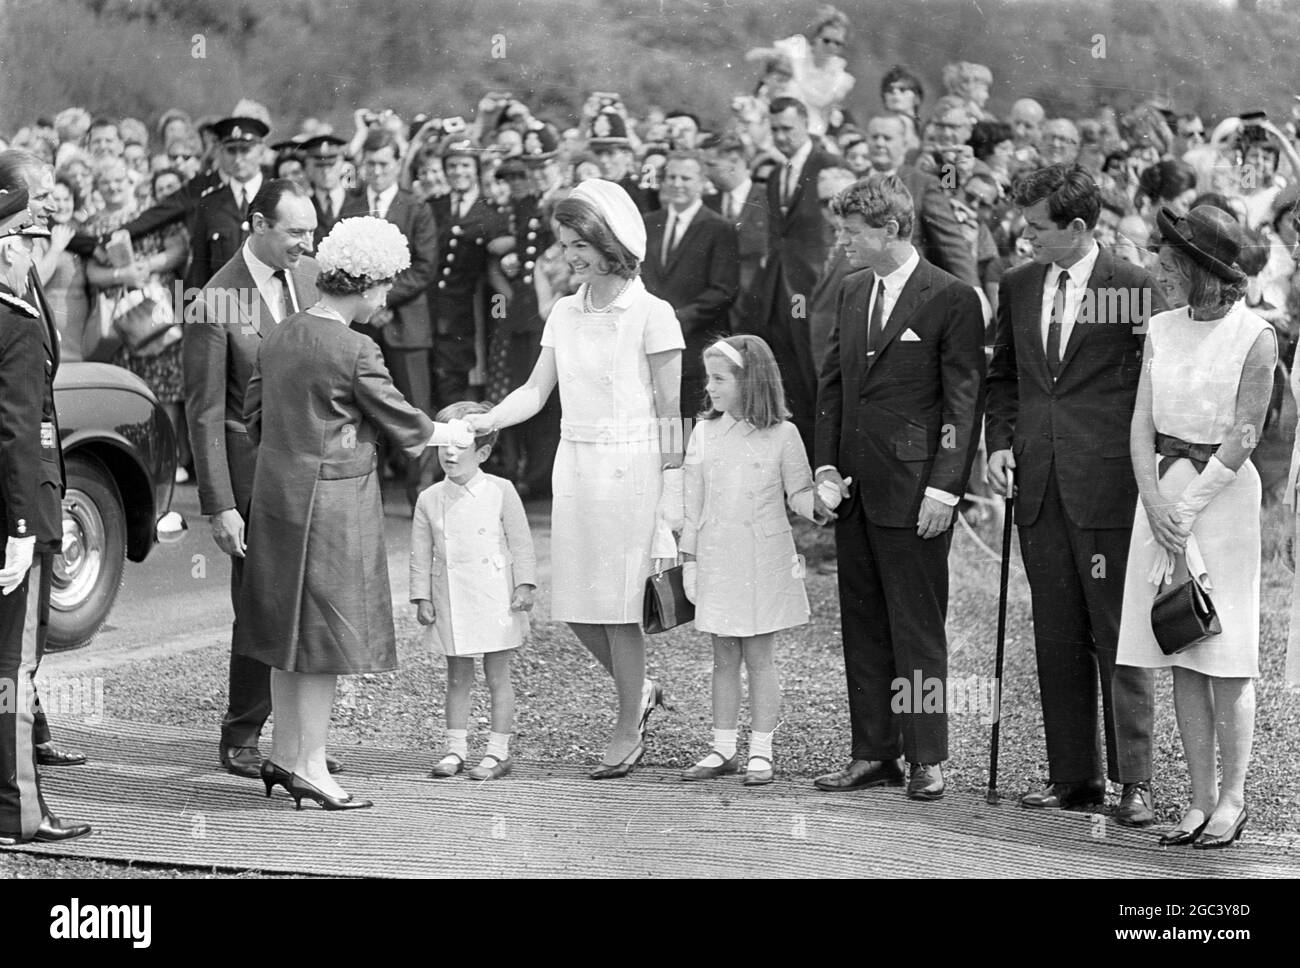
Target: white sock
724,747
498,746
760,744
458,742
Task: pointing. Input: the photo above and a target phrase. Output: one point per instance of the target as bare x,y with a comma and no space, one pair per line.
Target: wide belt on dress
1172,449
613,430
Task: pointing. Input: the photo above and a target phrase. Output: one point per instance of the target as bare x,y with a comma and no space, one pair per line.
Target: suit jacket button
451,243
451,257
455,230
442,283
446,270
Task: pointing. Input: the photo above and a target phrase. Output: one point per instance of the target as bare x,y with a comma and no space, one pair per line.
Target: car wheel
87,576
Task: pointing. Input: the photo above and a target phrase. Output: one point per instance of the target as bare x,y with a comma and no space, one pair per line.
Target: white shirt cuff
942,497
825,467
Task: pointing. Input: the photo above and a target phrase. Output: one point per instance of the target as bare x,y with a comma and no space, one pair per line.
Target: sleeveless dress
1195,375
608,468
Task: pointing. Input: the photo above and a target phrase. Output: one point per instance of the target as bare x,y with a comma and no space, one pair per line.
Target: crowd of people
866,314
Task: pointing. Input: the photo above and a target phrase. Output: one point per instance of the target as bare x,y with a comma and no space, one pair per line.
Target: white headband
729,351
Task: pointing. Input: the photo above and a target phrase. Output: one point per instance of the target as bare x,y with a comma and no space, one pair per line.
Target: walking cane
1003,581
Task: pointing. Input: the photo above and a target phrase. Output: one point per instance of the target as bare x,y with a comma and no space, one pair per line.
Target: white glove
672,502
802,504
663,544
690,575
1162,565
1203,489
18,561
830,494
453,433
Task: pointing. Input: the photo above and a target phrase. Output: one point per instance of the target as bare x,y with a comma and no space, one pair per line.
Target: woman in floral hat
316,602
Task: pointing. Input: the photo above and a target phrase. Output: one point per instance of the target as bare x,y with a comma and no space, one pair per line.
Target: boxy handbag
665,605
1185,615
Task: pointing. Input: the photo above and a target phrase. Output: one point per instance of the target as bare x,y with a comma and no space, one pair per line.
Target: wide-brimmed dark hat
1208,236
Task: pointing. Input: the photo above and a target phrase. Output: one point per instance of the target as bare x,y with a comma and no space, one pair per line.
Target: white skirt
1228,535
602,523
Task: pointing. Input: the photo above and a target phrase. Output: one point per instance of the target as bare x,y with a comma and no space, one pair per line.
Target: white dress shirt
336,196
461,209
735,200
279,301
1074,290
380,201
678,223
249,189
894,283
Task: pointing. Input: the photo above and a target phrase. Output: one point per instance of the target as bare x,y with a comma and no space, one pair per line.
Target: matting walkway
155,795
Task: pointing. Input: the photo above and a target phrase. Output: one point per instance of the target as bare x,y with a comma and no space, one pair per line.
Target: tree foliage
326,57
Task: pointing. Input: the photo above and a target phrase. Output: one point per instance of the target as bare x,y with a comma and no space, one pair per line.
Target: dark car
120,454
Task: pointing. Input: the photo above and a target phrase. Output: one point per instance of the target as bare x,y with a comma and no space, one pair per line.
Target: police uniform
31,491
517,345
458,292
220,223
329,149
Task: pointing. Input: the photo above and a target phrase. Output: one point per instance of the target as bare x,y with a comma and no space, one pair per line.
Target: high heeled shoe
1183,838
299,788
620,769
1225,839
272,774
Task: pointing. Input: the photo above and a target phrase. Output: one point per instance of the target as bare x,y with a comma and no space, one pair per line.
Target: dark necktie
729,207
327,209
787,184
288,301
669,232
455,206
1054,325
876,324
241,197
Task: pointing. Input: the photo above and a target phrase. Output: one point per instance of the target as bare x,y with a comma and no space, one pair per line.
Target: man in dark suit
691,263
31,489
899,405
324,162
743,202
270,277
935,231
466,223
796,253
220,223
1062,387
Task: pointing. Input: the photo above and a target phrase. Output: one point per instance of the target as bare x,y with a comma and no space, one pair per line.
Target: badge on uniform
47,433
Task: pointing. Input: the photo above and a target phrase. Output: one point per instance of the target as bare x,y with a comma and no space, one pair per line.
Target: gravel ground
565,709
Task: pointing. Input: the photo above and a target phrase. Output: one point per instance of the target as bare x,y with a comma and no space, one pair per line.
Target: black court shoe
299,788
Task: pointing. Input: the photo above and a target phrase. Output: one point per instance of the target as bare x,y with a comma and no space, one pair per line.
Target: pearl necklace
589,307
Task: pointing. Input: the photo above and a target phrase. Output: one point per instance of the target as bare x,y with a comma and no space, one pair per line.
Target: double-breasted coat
738,480
315,595
470,549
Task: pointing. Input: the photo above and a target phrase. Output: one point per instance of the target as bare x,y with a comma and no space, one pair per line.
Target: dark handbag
144,320
1183,616
665,605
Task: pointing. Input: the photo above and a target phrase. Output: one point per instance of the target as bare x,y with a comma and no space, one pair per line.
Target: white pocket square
909,337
